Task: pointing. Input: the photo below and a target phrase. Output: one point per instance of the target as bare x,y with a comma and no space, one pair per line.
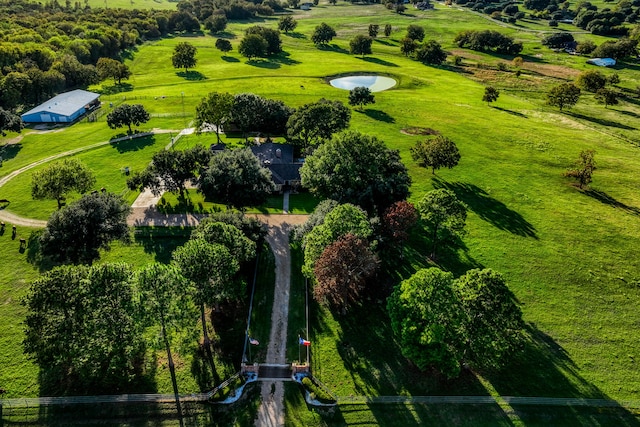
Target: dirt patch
418,131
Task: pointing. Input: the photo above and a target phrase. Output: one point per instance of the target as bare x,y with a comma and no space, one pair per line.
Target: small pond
374,83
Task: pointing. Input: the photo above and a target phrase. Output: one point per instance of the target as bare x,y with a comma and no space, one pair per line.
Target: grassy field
569,256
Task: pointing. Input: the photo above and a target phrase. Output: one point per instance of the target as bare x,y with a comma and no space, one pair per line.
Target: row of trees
85,326
305,126
46,49
566,95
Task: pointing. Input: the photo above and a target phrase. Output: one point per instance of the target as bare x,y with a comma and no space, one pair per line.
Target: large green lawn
569,256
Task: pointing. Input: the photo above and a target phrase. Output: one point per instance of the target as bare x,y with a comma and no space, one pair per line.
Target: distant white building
602,62
64,108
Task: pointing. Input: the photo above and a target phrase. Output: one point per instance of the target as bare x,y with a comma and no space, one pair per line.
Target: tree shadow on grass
191,75
379,115
515,113
600,121
283,58
378,61
384,42
296,35
9,151
489,209
135,144
603,197
629,113
544,369
117,88
161,241
228,58
263,63
332,48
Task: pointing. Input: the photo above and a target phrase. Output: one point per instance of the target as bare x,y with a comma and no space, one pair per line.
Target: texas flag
304,342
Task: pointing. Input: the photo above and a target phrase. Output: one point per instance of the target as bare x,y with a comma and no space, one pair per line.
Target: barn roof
66,103
602,62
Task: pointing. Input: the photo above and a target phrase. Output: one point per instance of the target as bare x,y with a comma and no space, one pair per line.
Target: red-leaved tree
398,220
342,272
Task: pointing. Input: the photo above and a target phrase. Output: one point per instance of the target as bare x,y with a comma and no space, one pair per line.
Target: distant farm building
602,62
64,108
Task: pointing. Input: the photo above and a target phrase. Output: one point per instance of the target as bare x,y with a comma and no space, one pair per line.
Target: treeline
49,48
607,21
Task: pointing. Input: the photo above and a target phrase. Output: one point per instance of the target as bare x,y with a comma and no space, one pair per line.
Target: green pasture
569,256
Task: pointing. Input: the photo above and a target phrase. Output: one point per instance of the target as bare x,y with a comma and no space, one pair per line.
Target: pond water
374,83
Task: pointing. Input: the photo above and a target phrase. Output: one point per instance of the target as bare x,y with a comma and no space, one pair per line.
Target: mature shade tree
316,218
361,96
311,123
342,272
591,81
215,109
82,329
241,247
127,115
272,37
491,94
163,299
274,116
323,34
408,46
373,30
251,227
246,111
184,56
620,49
359,169
343,219
607,97
443,216
253,46
236,178
397,220
557,40
565,95
492,327
170,170
415,32
585,47
360,45
10,122
211,269
216,23
110,68
425,316
287,23
483,40
387,30
431,53
76,233
224,45
61,178
583,169
436,153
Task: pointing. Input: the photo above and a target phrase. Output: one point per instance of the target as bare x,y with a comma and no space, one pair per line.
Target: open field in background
569,256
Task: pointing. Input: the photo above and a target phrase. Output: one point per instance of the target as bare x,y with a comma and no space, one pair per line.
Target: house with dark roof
64,108
279,159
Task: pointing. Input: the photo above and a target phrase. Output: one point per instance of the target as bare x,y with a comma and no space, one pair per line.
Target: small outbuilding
64,108
602,62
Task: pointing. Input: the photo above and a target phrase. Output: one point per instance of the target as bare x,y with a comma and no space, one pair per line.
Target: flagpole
299,349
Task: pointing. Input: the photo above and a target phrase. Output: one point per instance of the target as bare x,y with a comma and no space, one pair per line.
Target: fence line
483,400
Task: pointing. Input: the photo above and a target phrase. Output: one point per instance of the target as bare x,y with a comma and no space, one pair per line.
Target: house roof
271,153
66,103
281,173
